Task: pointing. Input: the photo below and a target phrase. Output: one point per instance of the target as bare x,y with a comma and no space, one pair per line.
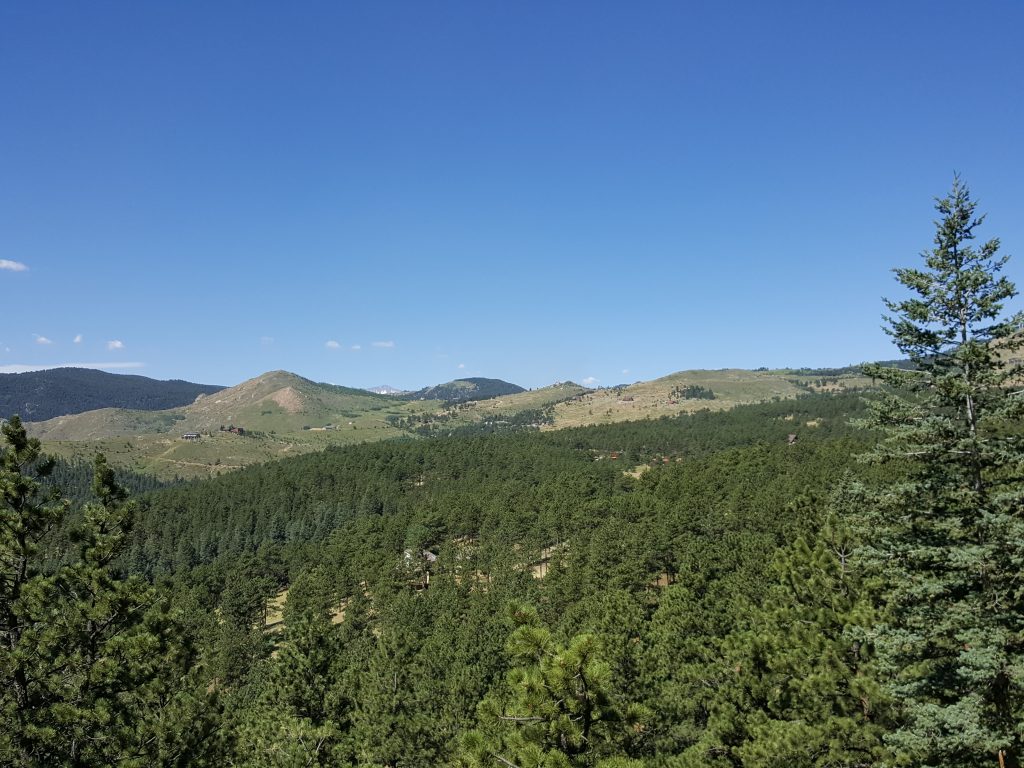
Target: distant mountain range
462,390
280,414
42,395
386,389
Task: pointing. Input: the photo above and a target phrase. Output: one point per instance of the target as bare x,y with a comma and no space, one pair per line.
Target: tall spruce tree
950,536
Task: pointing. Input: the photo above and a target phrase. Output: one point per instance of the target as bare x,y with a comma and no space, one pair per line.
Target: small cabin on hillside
190,436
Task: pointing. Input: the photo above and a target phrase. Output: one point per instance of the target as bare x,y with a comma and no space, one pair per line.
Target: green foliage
28,513
795,684
299,717
400,681
558,707
95,668
311,594
461,390
949,538
42,395
692,392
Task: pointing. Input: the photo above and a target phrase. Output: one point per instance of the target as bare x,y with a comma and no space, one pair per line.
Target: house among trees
419,567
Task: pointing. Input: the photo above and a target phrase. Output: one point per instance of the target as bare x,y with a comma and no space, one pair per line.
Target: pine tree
298,717
27,514
558,708
392,721
95,669
950,537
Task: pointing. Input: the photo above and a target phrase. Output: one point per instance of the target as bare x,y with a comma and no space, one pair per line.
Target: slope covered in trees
41,395
336,529
459,390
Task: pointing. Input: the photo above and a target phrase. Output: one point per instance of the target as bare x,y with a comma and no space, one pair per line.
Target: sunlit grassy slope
283,414
666,396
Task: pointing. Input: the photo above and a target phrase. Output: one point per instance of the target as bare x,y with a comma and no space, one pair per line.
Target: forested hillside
41,395
462,390
403,564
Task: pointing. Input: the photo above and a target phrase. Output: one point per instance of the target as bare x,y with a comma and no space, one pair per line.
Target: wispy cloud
77,339
115,344
625,371
461,366
332,344
356,347
266,340
590,381
17,368
42,339
384,344
13,266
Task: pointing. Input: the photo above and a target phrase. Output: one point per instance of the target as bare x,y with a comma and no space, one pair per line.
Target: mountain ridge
279,413
464,390
54,392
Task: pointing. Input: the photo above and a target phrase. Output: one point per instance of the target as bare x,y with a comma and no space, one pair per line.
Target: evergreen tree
28,513
393,720
96,670
298,718
243,604
558,708
796,685
950,537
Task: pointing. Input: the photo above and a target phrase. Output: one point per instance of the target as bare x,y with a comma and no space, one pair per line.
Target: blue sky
410,192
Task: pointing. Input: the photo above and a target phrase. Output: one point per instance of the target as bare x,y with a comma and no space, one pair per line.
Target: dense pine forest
41,395
828,581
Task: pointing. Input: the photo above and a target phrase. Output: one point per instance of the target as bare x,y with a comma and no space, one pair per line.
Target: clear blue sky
408,192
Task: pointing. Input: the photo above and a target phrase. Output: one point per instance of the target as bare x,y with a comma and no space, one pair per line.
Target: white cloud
266,340
590,381
115,344
625,371
13,266
332,344
17,368
356,347
42,339
384,344
461,366
78,338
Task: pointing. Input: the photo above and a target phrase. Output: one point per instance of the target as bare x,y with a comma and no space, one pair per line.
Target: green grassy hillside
689,391
281,414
